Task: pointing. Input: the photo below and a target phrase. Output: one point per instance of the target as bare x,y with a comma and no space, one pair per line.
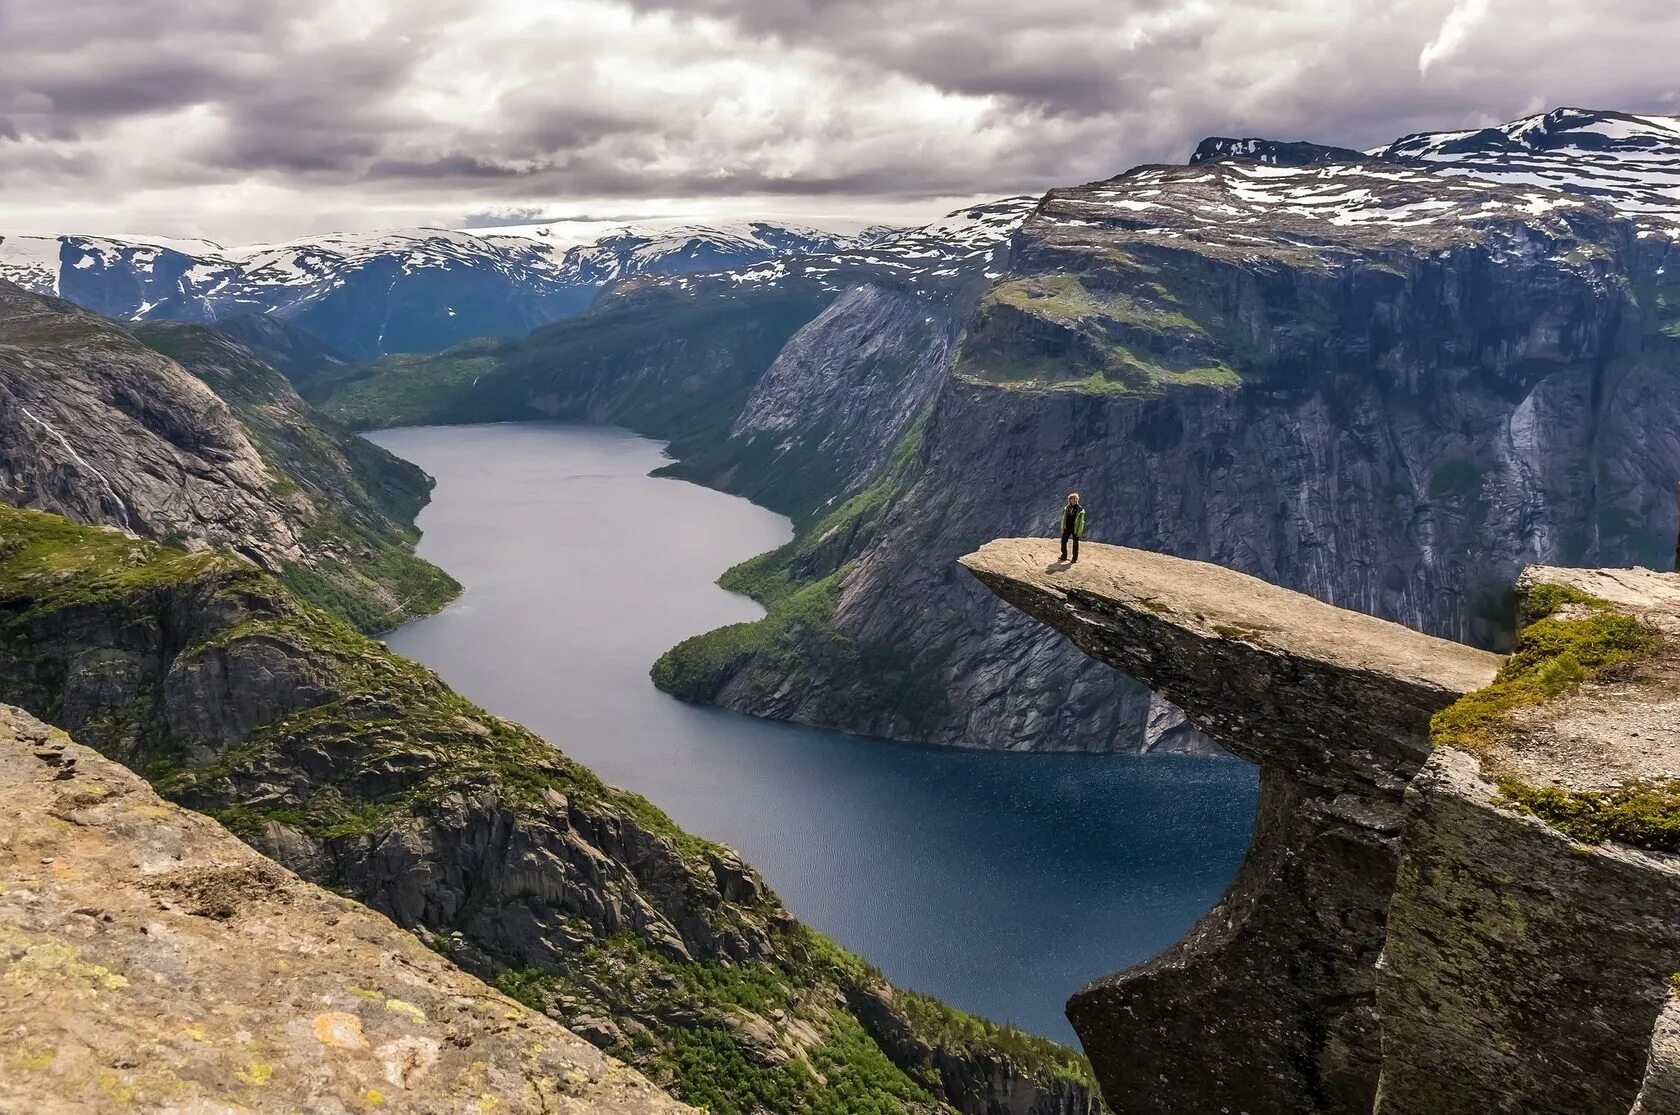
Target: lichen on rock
150,961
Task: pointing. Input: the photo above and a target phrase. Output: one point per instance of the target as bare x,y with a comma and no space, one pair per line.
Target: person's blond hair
1073,495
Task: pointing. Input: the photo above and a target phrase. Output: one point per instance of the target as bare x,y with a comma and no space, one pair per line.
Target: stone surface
1337,698
1268,1003
149,961
1524,970
1659,1092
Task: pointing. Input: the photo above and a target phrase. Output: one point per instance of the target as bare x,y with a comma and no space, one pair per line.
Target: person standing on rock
1073,524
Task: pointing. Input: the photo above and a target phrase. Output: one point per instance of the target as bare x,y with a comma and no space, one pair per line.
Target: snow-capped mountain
368,294
1631,161
684,248
965,246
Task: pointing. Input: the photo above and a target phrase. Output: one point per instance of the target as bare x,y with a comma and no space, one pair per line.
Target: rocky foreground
364,773
151,961
1463,894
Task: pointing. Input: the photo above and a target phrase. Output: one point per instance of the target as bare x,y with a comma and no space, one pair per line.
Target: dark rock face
1272,152
1523,972
1268,1004
845,389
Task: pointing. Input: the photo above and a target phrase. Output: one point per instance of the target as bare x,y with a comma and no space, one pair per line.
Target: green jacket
1078,521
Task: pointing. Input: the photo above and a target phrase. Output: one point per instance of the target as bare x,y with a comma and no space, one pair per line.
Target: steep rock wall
1464,890
1268,1003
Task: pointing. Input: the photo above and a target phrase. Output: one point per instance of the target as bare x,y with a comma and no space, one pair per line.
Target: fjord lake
1000,882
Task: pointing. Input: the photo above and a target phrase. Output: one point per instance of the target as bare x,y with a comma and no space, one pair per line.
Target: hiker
1073,524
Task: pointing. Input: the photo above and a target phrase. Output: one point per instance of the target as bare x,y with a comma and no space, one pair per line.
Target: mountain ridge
399,290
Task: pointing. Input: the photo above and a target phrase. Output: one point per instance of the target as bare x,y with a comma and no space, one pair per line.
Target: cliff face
151,961
826,414
1378,384
363,772
182,435
1462,893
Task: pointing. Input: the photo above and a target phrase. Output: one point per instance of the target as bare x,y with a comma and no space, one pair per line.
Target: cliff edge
1462,894
151,961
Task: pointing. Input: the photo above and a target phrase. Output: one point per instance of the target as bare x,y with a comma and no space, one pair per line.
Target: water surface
998,882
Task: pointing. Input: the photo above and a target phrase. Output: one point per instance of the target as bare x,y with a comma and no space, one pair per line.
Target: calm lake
999,882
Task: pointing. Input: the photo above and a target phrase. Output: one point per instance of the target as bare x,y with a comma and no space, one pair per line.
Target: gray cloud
240,121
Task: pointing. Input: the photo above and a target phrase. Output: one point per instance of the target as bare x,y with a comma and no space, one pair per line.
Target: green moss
839,1068
1644,814
1454,478
1553,656
48,563
1572,639
525,985
1548,599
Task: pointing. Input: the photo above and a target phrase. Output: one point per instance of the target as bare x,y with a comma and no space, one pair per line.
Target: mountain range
411,290
1501,400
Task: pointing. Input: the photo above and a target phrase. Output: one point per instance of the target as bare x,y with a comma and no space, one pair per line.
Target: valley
998,883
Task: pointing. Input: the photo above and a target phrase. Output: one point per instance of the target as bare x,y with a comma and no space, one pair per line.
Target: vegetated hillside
1372,379
362,771
196,441
407,290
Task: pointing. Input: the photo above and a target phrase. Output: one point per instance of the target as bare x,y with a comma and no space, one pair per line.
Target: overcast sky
248,120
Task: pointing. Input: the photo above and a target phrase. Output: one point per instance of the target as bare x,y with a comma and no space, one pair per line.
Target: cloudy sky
247,120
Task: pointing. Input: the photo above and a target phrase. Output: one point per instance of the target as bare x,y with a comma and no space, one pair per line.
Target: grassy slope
378,713
361,563
643,357
798,584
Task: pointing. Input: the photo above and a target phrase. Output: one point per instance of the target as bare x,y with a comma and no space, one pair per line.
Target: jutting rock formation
1462,894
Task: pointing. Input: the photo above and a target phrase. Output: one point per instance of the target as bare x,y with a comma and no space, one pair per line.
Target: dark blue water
999,882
